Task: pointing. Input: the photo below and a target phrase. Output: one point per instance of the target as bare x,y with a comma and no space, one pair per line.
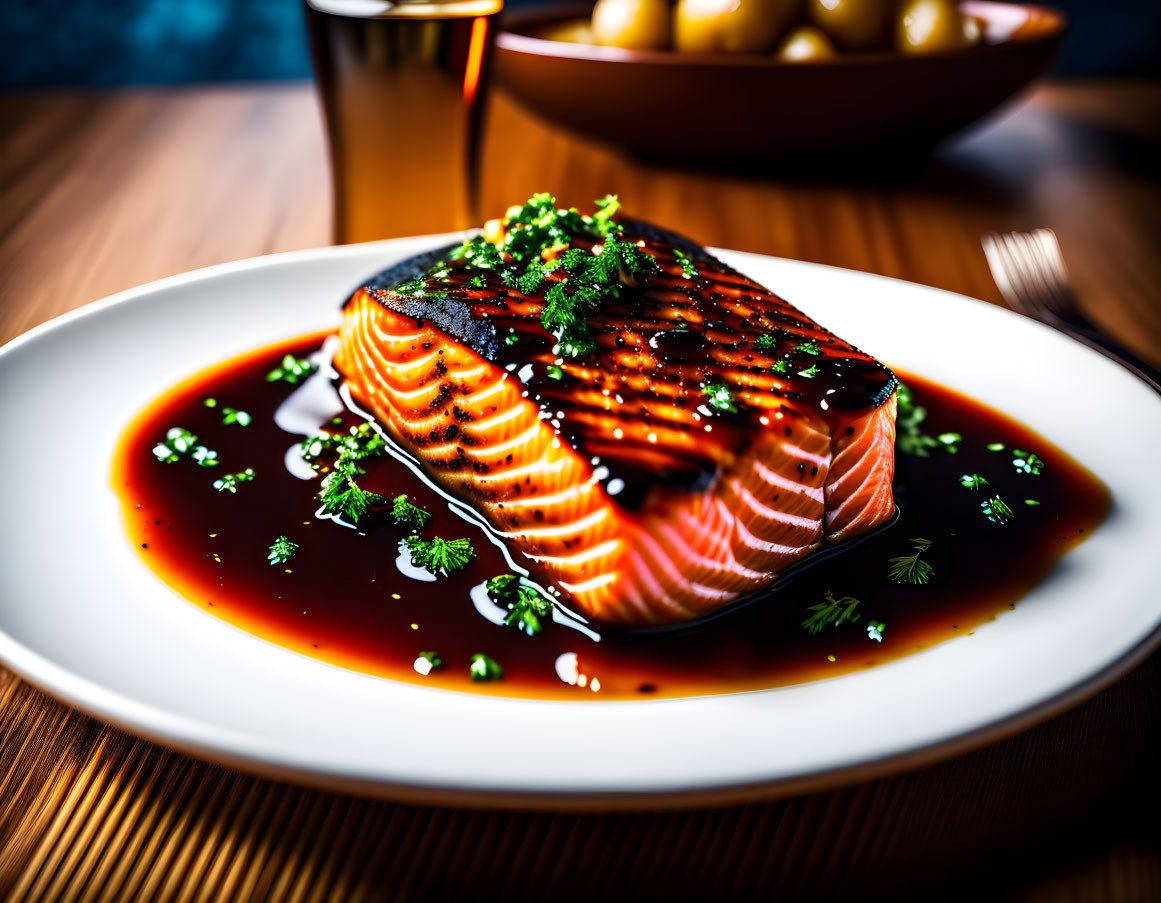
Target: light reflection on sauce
342,598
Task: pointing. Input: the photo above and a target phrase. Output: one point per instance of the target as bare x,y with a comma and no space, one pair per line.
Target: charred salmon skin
656,432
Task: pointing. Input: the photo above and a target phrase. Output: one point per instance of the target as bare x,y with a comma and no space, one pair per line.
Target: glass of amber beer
402,86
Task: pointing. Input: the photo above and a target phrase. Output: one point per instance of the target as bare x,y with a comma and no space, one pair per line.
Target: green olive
934,26
853,24
734,26
805,44
632,24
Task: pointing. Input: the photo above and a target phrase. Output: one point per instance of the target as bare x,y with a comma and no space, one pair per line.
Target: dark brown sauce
342,599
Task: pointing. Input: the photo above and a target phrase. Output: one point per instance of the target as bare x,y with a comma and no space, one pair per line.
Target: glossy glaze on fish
680,467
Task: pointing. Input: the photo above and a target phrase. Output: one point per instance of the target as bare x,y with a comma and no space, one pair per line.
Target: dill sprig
831,611
525,603
341,495
407,514
281,550
439,555
912,568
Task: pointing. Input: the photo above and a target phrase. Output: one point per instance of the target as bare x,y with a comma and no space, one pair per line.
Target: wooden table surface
101,192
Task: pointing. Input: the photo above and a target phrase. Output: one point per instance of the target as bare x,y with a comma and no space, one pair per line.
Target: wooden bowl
750,108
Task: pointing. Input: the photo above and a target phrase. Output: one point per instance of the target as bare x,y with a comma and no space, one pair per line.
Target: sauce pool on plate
220,503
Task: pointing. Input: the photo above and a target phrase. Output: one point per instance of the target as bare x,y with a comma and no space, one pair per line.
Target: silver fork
1029,270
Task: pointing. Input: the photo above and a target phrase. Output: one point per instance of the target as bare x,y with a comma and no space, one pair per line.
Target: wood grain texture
100,192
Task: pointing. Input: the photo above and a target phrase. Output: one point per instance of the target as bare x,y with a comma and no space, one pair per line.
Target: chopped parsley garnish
586,278
950,441
554,372
909,438
912,568
483,668
972,481
229,482
439,555
996,510
341,495
810,372
291,370
781,367
1027,462
810,347
719,396
181,443
688,270
431,658
832,611
525,603
407,514
281,550
476,281
233,415
767,341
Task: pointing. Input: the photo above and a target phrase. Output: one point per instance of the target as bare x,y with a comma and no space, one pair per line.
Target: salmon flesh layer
715,437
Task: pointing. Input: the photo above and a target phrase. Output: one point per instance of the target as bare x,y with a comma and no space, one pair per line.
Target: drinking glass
402,85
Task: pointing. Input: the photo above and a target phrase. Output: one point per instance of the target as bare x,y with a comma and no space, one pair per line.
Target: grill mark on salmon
623,486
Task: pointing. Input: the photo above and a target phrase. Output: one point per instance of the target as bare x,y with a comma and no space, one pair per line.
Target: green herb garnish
483,668
832,611
810,347
590,278
341,495
1027,462
810,372
719,396
780,367
995,446
950,441
291,370
996,510
229,482
688,270
909,438
433,661
232,415
972,481
281,550
525,603
407,514
767,341
439,555
912,568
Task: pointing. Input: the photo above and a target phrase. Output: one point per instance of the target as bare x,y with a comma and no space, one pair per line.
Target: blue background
119,42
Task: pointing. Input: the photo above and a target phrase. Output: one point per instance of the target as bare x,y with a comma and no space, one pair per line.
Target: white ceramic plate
81,617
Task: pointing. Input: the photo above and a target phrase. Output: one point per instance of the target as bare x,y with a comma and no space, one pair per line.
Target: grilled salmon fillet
714,437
